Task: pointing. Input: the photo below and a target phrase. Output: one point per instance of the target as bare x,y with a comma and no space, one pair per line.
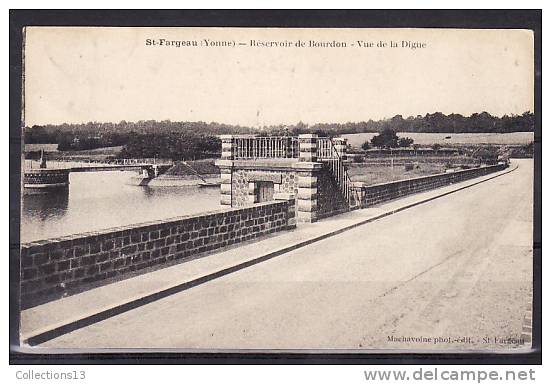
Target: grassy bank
192,167
375,174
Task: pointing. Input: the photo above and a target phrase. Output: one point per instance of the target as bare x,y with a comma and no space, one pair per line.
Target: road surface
454,273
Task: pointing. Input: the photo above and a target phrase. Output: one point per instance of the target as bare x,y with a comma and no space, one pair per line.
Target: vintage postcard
287,189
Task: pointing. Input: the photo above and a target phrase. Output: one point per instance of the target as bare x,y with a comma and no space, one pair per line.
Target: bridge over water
45,175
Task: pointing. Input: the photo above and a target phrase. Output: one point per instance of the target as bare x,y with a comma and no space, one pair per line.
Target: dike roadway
445,269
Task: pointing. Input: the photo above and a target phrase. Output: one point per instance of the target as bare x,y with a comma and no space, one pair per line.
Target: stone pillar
307,172
291,215
228,146
308,147
340,146
307,196
226,169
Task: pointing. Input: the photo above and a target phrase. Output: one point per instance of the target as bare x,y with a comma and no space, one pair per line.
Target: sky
75,75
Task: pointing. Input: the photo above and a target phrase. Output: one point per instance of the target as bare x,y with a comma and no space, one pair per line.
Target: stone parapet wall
54,268
375,194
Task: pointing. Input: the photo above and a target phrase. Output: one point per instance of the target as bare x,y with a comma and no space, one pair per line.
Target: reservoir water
100,200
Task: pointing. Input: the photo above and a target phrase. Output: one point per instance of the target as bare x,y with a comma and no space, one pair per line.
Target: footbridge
55,174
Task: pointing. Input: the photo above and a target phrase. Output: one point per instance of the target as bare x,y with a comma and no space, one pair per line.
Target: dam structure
314,170
268,185
311,168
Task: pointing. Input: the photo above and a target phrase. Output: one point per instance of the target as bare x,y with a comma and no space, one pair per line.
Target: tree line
197,139
93,135
171,145
439,123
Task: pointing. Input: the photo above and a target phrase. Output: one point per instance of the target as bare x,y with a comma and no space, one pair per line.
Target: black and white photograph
230,189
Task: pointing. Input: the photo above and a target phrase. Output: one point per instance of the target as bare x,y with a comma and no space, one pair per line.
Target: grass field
519,138
375,174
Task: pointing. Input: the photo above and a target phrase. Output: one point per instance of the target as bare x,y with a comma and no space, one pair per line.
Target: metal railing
144,161
325,148
269,147
340,174
70,162
274,147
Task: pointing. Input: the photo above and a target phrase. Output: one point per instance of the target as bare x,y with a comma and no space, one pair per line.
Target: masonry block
308,147
307,205
307,181
307,193
225,189
306,217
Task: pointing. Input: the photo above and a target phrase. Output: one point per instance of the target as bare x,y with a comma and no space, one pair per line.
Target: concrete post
291,215
308,147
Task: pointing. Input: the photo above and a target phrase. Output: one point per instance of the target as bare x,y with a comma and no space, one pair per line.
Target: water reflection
46,206
99,200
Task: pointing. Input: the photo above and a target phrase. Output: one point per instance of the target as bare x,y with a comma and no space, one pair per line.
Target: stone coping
275,163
